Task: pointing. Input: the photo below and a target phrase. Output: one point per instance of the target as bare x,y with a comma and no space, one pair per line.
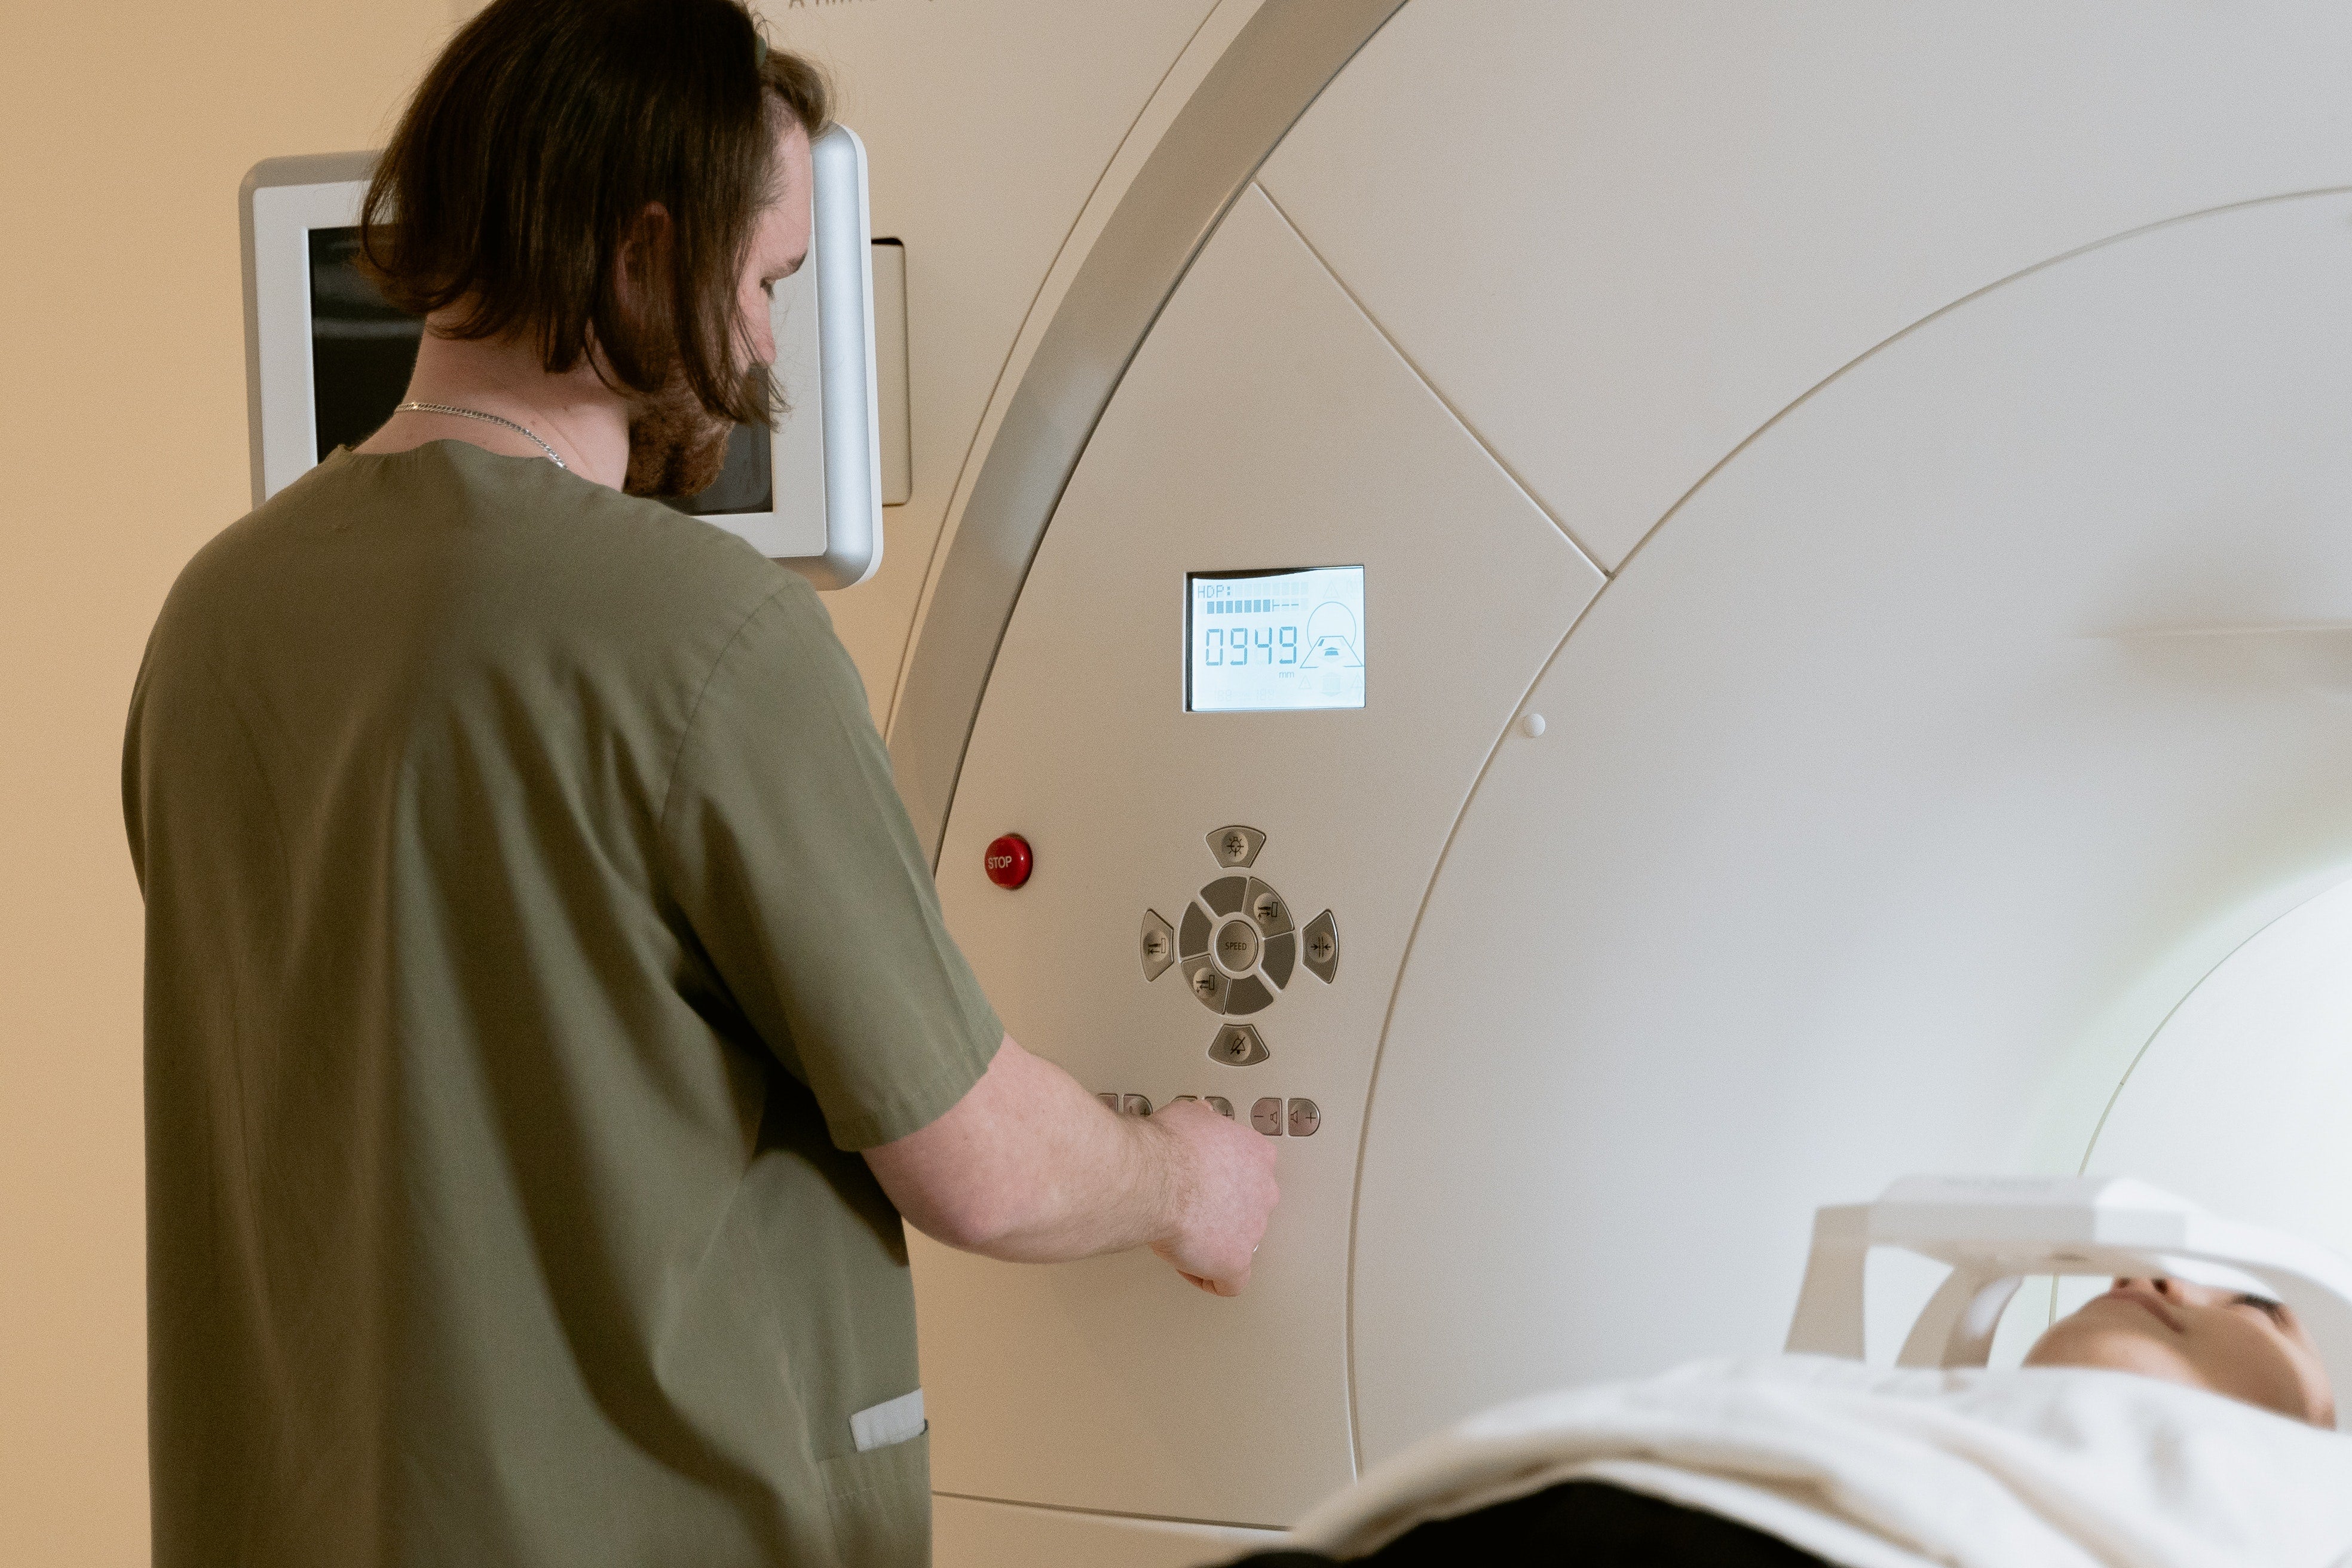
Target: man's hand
1030,1168
1227,1190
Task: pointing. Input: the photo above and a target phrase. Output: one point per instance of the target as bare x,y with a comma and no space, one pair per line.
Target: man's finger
1214,1286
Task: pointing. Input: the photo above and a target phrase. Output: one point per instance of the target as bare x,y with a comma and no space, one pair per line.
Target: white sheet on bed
1875,1469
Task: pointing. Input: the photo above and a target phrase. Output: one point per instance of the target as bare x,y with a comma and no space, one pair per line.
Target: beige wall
124,130
123,133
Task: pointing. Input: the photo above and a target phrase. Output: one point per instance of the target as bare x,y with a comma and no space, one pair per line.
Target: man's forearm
1030,1168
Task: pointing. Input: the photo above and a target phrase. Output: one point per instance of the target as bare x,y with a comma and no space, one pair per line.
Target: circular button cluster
1238,946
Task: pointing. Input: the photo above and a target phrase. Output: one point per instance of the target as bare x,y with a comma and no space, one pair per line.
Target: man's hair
517,185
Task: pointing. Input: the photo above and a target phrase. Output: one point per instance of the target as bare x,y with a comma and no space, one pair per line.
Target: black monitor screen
362,350
744,484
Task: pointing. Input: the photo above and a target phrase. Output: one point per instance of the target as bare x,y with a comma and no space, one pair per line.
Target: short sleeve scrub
534,935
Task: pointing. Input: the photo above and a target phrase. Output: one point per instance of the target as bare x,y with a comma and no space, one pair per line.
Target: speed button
1237,945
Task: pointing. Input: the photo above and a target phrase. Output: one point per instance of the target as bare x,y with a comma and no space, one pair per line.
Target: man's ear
641,265
640,344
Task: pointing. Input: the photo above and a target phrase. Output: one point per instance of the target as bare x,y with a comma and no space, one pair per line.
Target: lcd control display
1275,641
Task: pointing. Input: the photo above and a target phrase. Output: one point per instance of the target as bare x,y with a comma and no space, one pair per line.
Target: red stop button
1009,861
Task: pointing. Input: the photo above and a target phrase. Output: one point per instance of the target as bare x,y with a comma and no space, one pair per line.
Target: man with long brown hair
549,1012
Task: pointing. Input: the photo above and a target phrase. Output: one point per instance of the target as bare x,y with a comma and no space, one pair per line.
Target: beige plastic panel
1620,236
1241,82
1264,423
968,1533
1888,799
2240,1100
982,180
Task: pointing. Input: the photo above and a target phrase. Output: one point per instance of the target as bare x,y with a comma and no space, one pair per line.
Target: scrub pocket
881,1504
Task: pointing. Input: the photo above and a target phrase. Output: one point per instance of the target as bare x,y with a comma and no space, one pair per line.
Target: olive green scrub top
533,929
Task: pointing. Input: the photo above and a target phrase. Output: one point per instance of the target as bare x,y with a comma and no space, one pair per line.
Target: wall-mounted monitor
327,358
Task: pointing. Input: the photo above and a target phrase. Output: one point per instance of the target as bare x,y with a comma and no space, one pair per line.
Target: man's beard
677,447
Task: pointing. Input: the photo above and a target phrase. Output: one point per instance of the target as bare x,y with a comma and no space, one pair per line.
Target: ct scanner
1851,511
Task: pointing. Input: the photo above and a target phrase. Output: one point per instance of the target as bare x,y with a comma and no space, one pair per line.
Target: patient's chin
2266,1382
2112,1348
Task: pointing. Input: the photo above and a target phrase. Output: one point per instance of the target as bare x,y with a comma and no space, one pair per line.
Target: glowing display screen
1275,641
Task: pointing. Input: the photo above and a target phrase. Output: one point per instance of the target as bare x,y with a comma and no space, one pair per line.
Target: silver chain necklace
491,418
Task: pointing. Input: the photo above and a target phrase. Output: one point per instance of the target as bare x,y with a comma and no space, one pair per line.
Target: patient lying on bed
2217,1448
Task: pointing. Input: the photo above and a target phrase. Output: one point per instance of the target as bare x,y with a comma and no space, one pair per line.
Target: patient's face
2220,1341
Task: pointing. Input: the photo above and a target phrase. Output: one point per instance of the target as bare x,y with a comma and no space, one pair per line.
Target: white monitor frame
826,456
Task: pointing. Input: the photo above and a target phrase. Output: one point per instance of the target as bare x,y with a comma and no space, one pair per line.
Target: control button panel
1238,945
1158,945
1237,942
1322,955
1270,1114
1236,846
1238,1045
